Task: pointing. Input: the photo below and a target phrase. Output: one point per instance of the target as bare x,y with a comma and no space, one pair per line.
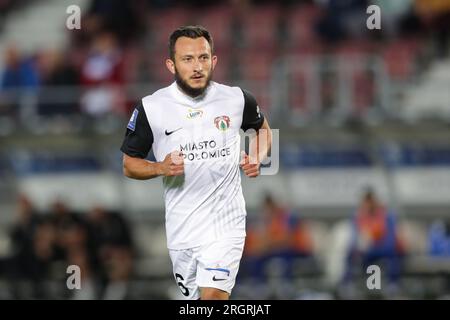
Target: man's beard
192,92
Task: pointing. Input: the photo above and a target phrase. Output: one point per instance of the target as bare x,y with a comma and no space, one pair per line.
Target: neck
191,95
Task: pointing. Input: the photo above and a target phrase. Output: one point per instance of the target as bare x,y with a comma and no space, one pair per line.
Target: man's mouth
197,77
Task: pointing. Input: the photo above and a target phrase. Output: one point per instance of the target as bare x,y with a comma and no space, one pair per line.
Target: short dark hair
192,32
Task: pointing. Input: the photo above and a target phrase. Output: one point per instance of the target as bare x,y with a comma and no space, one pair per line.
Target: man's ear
170,65
214,61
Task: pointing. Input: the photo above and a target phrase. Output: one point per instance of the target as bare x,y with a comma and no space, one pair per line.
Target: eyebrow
191,56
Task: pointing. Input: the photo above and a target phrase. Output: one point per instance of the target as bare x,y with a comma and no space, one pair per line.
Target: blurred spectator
439,239
374,239
76,245
19,72
19,76
102,76
343,19
56,72
44,245
25,225
122,18
435,16
88,285
62,216
32,239
115,251
278,235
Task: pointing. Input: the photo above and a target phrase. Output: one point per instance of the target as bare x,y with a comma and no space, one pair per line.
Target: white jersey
206,203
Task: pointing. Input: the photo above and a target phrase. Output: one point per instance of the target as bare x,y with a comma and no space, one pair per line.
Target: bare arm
141,169
260,146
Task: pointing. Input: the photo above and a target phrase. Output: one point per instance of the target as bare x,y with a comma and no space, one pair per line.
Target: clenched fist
173,164
249,165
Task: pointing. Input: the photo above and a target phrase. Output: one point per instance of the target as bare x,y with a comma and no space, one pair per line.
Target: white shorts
213,265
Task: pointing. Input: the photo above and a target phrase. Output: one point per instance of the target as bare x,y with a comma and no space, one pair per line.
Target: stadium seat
132,59
163,22
255,64
400,59
300,25
364,95
259,26
298,92
219,22
156,63
222,72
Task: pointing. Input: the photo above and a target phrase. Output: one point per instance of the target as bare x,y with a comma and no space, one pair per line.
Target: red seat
400,60
157,69
363,92
259,26
300,24
355,48
298,99
218,21
163,22
223,67
132,58
255,64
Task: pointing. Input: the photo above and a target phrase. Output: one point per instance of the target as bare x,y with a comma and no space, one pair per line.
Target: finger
253,174
176,159
249,166
180,157
252,171
176,153
176,172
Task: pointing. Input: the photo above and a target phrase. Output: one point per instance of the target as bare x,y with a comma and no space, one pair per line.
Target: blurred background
364,119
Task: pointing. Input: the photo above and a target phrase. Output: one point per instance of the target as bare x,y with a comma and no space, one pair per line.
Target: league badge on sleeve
132,123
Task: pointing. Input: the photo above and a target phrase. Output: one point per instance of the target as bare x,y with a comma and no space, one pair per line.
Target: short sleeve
252,117
139,136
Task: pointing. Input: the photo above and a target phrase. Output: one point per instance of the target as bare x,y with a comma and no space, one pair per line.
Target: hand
173,164
249,165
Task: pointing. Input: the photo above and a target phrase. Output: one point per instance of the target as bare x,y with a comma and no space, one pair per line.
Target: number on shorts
184,290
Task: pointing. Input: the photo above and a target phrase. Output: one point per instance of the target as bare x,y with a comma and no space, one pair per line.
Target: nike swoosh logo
168,133
215,279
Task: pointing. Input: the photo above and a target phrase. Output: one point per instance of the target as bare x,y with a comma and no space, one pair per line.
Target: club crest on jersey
222,123
194,113
132,123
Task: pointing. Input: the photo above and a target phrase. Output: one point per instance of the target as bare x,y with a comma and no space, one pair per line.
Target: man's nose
197,65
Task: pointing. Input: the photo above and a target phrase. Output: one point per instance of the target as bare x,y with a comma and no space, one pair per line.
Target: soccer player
193,127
